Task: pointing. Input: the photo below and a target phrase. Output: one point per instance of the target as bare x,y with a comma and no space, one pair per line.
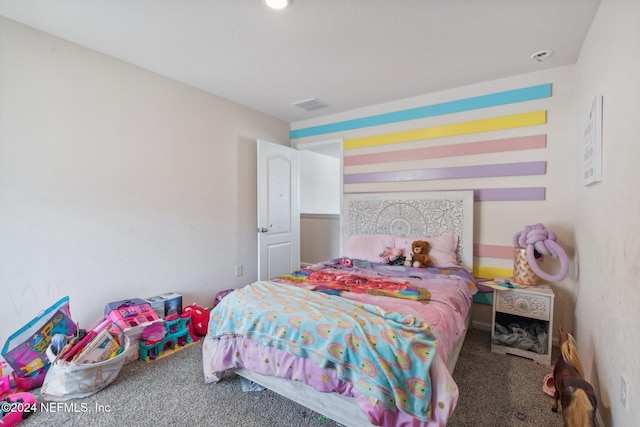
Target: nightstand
524,305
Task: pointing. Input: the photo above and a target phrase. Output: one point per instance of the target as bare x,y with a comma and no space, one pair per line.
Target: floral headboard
415,214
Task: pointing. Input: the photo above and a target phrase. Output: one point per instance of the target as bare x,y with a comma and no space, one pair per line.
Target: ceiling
347,53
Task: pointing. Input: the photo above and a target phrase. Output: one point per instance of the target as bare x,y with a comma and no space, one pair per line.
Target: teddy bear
420,254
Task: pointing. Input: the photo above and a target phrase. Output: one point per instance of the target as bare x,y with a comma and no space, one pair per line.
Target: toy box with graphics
25,350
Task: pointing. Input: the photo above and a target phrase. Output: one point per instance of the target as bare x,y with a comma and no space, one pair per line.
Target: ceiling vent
311,104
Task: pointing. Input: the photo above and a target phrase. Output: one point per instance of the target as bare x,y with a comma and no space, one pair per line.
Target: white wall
117,183
608,214
319,238
319,183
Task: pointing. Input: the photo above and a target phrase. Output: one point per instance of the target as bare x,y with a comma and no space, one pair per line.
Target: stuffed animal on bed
345,262
419,254
392,256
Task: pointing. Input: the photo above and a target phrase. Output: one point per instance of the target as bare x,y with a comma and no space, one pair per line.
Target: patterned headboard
415,214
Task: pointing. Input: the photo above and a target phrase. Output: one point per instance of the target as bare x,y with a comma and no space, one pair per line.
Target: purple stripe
507,169
503,194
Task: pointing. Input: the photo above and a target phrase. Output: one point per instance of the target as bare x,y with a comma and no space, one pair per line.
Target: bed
361,341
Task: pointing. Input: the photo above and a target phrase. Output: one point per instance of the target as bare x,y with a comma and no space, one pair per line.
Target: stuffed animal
420,254
345,262
392,256
199,318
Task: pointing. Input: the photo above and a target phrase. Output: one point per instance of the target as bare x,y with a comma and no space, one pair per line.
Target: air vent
311,104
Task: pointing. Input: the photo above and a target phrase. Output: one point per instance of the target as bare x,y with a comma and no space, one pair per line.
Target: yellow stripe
474,126
485,272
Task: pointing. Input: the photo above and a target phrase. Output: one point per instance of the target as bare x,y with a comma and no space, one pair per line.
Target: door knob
263,230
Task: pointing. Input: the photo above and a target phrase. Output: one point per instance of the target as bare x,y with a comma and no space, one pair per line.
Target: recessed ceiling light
277,4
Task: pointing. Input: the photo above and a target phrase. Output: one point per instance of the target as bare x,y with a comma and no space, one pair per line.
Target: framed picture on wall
592,143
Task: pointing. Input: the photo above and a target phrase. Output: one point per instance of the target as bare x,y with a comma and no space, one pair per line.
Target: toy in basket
67,378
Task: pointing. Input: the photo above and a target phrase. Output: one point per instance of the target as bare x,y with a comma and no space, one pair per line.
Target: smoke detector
540,55
311,104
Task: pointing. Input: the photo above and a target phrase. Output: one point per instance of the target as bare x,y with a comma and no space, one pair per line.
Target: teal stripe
467,104
483,298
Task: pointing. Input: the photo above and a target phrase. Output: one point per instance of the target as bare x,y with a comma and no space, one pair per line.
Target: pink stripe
457,172
465,149
493,251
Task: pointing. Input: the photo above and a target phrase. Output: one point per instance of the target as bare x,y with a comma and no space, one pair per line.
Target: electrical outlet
624,390
238,270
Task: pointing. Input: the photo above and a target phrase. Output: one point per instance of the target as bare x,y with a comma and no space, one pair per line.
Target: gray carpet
495,390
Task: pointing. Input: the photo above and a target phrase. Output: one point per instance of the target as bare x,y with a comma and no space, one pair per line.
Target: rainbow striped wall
458,106
465,149
361,152
431,153
472,128
492,251
452,129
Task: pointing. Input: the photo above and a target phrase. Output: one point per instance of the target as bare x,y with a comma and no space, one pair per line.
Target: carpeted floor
498,390
495,390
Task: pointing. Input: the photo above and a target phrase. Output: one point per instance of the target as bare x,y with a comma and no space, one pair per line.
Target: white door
278,210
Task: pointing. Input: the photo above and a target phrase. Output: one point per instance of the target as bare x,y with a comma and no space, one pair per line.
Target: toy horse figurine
576,395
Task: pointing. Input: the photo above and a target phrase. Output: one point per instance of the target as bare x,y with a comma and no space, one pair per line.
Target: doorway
320,200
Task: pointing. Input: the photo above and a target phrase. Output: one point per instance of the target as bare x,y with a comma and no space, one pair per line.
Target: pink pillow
443,250
368,246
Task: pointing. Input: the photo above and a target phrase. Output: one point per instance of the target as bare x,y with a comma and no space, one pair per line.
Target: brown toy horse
576,395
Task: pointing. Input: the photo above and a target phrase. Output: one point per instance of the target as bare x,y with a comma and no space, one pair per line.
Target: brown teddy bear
420,254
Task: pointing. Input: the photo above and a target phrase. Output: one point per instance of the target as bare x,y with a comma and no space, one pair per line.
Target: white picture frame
592,143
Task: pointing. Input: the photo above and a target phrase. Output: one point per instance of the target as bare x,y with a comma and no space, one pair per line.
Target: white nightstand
532,304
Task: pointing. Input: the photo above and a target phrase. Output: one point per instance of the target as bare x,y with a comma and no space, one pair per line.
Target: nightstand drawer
523,304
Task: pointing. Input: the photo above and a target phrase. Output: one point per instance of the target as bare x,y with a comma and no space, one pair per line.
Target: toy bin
71,380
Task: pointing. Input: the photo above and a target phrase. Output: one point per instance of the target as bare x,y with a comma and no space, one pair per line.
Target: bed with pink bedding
380,338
